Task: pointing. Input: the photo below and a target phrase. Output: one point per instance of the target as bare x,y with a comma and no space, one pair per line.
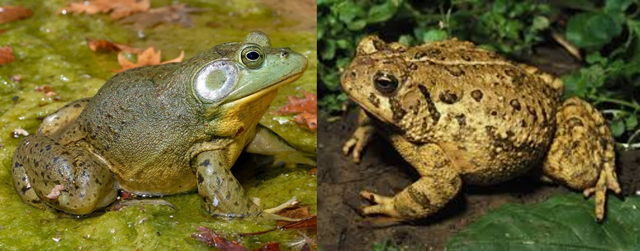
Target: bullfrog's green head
246,69
242,80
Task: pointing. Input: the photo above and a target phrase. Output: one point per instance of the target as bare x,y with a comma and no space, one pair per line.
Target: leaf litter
174,14
118,9
13,13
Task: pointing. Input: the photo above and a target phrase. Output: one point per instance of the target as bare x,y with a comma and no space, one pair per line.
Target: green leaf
592,30
563,222
617,128
433,35
631,122
383,12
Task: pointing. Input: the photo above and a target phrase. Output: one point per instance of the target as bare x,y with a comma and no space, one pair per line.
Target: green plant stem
615,101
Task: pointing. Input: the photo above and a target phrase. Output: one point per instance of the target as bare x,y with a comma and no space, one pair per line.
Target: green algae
52,50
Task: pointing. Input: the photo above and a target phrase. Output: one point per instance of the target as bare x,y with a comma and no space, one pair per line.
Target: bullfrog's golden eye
385,83
252,56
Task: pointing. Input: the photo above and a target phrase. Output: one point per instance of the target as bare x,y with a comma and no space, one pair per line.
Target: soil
382,170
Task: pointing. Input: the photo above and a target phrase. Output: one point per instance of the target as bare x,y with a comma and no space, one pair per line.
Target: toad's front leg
438,184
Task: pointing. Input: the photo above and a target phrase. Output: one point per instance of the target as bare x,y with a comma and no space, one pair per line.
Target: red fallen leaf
55,192
106,45
311,222
297,213
307,109
13,13
118,8
313,171
6,55
212,239
46,89
271,246
147,57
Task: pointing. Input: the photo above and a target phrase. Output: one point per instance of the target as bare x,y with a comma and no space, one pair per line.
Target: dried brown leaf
147,57
176,14
106,45
6,55
306,109
118,8
212,239
13,13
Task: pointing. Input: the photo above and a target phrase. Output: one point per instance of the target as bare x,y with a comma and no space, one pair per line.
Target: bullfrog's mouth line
264,91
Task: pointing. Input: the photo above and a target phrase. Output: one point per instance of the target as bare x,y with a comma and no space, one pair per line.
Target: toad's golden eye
252,57
385,83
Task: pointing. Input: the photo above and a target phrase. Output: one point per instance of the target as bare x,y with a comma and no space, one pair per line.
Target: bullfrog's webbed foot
360,138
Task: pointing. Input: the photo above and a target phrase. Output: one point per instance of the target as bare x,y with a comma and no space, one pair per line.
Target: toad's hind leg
438,184
582,155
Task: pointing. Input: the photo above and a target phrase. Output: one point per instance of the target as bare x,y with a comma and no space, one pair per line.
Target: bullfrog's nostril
284,54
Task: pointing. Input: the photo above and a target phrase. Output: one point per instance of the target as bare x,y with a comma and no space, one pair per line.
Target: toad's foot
360,138
582,155
384,205
607,180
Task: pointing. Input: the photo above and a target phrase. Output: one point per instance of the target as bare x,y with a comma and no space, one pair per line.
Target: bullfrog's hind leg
360,138
68,178
582,153
439,183
59,120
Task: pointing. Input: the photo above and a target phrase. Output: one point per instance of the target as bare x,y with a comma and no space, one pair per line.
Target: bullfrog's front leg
222,193
582,155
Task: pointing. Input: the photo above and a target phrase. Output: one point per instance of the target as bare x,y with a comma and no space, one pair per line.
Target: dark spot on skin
206,162
431,107
447,97
419,197
454,70
81,195
515,104
77,106
524,124
379,45
413,66
510,72
419,55
477,95
200,178
36,163
236,204
218,181
48,147
573,122
374,100
24,189
466,58
228,196
396,109
494,113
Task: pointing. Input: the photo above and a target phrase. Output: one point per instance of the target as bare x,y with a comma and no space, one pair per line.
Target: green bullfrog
160,130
